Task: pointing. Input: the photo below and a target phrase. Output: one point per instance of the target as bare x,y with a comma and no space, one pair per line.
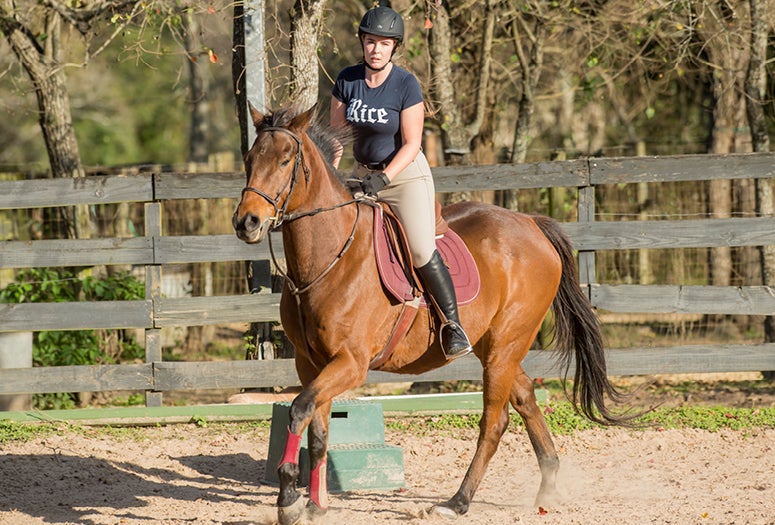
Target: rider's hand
372,183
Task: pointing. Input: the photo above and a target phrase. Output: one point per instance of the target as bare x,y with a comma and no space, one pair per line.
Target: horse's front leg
311,408
318,458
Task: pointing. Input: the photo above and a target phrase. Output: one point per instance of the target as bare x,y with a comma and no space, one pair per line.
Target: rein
295,290
281,215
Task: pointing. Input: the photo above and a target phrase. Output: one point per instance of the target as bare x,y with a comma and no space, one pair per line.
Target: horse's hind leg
491,428
498,377
524,401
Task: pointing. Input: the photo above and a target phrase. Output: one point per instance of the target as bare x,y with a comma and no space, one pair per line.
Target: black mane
327,139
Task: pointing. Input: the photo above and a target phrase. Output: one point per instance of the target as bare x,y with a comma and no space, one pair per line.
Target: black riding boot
438,283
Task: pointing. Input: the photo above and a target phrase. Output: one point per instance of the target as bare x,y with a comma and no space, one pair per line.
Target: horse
338,316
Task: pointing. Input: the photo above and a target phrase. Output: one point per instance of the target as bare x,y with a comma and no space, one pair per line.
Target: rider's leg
411,195
438,283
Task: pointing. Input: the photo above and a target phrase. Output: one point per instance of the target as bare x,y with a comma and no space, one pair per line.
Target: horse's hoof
444,512
548,499
313,512
291,515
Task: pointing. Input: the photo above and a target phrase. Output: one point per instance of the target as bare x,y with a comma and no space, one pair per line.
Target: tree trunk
306,21
756,77
756,89
44,68
198,146
530,62
455,137
724,35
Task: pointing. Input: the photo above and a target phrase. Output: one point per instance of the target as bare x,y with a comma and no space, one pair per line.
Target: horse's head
273,167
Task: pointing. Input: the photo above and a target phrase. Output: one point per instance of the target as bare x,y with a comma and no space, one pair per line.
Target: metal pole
249,75
248,65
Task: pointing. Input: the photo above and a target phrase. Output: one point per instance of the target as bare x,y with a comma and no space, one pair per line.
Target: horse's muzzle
250,228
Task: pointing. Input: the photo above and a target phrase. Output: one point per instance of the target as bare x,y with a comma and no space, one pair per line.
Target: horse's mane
327,139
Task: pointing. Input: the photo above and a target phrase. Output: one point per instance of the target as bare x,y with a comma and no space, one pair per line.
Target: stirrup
458,333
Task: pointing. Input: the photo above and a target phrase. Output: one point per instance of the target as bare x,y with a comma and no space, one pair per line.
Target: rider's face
377,50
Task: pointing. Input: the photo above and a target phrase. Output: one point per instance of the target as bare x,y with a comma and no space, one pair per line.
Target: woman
384,105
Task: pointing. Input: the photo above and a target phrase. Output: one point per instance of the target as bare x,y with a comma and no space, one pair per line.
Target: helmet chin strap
376,70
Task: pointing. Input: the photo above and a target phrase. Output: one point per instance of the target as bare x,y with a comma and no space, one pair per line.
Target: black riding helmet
382,21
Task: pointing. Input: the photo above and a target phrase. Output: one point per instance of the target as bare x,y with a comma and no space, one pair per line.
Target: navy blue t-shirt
374,112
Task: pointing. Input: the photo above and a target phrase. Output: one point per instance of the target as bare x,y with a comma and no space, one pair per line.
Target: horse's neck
312,243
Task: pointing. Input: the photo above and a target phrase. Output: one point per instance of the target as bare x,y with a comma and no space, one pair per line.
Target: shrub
75,347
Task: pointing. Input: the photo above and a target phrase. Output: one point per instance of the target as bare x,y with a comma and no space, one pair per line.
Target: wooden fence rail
154,250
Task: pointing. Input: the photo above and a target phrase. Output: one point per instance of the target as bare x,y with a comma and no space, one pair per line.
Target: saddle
399,277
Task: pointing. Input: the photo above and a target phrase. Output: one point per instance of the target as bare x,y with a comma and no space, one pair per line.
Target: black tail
577,335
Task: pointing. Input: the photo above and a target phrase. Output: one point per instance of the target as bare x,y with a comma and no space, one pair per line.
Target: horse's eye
285,163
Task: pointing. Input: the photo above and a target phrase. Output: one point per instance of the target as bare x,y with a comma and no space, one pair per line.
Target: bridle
281,214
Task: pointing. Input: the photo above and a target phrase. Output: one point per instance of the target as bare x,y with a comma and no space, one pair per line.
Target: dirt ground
183,474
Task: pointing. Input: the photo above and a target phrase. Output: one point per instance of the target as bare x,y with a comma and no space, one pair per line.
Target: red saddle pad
453,250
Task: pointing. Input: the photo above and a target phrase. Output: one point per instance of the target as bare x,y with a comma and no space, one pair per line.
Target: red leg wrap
318,485
292,448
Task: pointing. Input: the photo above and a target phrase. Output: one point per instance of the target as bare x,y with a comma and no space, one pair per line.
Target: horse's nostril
250,222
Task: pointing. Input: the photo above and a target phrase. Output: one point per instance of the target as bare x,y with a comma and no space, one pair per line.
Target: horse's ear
301,122
256,115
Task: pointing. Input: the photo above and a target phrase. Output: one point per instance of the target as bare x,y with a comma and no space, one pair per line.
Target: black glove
373,182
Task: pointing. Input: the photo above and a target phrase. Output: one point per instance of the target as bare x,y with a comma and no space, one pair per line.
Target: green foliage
47,285
562,419
200,421
712,418
446,423
39,285
55,401
119,287
11,431
414,47
55,348
132,400
74,347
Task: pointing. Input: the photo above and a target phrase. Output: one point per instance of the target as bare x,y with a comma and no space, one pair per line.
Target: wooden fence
154,250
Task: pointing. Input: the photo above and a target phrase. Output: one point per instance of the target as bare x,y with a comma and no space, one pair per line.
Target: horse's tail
577,335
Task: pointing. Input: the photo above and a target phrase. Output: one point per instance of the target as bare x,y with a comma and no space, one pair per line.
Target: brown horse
338,316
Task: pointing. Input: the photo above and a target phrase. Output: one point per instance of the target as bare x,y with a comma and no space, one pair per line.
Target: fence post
15,352
153,292
586,213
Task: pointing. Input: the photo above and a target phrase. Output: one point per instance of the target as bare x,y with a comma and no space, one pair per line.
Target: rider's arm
337,120
412,121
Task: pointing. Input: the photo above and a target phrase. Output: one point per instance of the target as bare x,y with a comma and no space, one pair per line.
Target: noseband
280,212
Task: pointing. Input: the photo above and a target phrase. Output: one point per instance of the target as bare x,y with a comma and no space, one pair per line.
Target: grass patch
562,419
712,418
13,432
20,432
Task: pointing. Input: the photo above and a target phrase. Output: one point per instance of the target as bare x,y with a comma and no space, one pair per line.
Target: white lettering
357,111
352,110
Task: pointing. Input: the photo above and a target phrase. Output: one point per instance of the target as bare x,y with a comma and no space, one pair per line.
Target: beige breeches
411,194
